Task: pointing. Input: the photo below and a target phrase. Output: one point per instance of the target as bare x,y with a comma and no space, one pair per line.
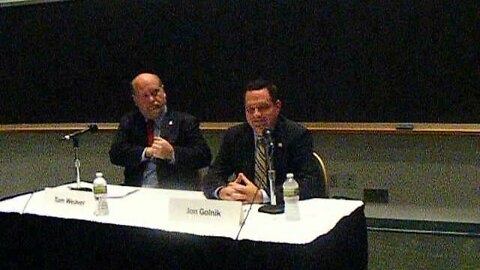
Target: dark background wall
385,61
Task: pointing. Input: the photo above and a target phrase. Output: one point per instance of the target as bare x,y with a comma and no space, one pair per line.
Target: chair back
323,168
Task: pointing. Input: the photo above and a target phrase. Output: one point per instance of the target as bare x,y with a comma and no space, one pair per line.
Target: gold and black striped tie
261,167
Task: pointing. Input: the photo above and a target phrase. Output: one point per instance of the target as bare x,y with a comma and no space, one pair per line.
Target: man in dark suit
238,153
157,146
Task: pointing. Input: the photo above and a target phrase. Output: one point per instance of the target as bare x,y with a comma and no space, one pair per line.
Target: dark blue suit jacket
292,154
181,130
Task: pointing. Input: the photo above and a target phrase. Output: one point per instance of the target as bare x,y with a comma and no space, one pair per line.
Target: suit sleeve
307,172
125,152
193,152
222,167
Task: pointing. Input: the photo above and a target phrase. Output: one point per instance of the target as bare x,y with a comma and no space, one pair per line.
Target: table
130,238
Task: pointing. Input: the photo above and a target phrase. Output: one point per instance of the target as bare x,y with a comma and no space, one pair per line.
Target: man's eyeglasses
154,92
261,108
157,90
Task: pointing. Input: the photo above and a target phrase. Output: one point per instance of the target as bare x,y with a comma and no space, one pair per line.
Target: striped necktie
261,167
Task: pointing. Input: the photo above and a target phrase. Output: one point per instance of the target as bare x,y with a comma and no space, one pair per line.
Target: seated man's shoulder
237,132
292,126
132,116
183,116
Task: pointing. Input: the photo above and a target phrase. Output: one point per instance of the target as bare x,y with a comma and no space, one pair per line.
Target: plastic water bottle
100,194
291,196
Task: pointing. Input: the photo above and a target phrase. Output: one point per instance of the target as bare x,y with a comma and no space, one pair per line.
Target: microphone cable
27,203
248,213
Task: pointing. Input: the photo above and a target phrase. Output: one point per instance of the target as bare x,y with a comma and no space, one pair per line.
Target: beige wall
437,173
424,170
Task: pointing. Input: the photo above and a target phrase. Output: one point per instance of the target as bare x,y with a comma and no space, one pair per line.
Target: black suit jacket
181,130
293,154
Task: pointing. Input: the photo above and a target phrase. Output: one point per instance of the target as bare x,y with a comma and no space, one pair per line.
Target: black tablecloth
38,242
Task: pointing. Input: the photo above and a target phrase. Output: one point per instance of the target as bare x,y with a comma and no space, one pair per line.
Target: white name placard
226,213
66,200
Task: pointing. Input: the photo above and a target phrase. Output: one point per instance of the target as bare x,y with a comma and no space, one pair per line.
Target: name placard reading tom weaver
205,211
63,200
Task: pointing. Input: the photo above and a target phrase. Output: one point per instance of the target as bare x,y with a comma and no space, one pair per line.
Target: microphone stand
74,137
271,208
76,144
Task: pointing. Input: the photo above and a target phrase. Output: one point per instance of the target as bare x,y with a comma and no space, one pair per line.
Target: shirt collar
160,117
255,135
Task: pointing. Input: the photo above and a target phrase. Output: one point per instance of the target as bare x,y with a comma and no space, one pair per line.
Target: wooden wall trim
316,127
396,128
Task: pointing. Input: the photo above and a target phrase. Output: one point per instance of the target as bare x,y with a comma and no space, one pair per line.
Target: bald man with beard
176,149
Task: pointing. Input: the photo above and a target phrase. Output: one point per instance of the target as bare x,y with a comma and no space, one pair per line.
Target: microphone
271,208
91,128
267,134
